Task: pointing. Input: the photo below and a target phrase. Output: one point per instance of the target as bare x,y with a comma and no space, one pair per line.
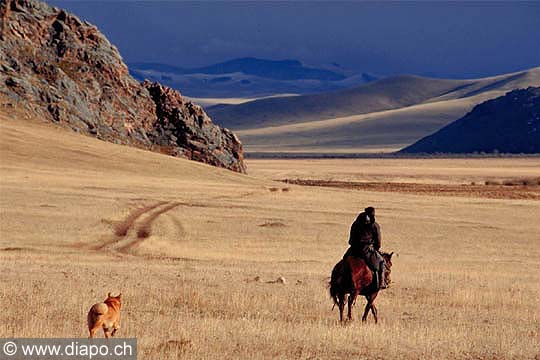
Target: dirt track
529,192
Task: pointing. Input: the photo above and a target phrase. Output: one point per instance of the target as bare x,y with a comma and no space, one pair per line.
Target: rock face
507,124
183,128
64,70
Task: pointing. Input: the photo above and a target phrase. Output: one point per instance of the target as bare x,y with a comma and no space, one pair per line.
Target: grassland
196,251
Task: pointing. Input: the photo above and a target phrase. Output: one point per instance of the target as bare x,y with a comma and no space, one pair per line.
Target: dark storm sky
443,39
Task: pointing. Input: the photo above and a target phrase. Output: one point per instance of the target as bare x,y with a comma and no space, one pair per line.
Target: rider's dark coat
361,232
376,236
364,240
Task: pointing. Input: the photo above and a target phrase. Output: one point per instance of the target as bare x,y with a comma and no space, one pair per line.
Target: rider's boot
382,280
376,279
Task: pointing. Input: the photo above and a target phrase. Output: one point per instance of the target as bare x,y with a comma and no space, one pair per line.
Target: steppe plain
197,252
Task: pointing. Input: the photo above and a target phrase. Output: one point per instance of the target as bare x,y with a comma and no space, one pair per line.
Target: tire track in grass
144,230
121,229
180,230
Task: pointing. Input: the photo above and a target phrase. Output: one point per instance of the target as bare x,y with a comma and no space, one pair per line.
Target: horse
353,276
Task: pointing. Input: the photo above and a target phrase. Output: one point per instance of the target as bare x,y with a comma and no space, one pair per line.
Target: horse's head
388,266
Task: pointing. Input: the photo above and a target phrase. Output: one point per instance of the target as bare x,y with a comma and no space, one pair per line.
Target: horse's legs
366,309
341,305
370,306
352,299
374,312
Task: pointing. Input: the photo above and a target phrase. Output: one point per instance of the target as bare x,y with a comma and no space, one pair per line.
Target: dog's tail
100,309
94,314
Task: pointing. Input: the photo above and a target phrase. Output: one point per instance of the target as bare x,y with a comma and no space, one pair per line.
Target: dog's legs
115,329
107,332
92,332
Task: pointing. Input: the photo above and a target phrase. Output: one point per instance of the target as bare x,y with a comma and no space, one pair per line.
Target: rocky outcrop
183,128
65,71
507,124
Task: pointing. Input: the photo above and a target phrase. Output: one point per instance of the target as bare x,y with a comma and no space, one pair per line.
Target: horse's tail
339,281
333,293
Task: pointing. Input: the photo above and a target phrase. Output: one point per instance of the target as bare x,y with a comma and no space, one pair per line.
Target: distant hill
507,124
385,94
270,69
382,116
248,77
388,93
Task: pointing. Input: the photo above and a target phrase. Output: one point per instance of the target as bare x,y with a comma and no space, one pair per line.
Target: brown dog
105,315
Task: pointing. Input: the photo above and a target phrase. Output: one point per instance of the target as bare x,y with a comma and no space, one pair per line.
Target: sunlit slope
382,131
32,145
389,93
382,116
58,187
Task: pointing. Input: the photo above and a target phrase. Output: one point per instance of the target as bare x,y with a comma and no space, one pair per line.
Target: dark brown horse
351,276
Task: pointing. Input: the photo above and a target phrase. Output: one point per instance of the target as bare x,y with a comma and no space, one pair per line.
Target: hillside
507,124
385,115
388,93
65,71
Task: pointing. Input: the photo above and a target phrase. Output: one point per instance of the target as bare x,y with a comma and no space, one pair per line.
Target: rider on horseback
365,242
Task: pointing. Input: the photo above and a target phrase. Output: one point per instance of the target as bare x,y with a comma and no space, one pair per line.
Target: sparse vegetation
204,283
493,189
522,182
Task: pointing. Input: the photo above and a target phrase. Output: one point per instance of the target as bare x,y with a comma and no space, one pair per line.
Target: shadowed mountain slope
507,124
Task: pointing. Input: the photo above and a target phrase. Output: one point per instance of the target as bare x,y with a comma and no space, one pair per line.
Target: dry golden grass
202,283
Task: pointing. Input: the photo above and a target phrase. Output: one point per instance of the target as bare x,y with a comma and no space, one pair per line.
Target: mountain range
248,77
381,116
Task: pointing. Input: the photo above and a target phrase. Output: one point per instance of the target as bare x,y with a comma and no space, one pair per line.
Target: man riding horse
365,242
